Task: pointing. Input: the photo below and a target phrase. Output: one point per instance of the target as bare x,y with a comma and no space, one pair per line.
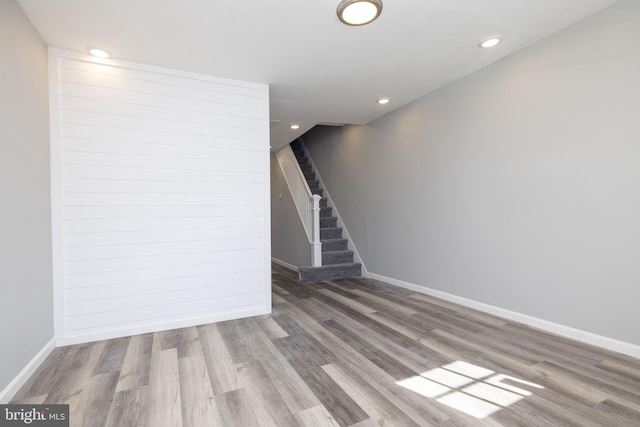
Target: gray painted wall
517,186
26,304
289,242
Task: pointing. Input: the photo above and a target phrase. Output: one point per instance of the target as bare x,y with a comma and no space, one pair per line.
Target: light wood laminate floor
343,353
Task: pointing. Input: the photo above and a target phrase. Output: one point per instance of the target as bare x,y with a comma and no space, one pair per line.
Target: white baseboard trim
145,328
562,330
284,264
12,388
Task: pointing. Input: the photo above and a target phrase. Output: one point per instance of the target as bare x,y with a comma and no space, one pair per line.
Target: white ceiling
319,70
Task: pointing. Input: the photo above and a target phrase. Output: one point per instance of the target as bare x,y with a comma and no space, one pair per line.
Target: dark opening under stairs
337,259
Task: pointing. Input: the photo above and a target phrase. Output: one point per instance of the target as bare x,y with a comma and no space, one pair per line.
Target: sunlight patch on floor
468,388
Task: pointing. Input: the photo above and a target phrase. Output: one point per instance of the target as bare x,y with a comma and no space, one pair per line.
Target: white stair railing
307,204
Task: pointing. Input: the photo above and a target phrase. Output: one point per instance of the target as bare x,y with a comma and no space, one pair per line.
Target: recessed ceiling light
359,12
490,41
384,101
295,127
99,53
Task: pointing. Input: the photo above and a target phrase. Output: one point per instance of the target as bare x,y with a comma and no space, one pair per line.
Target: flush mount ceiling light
384,101
359,12
490,41
295,127
99,53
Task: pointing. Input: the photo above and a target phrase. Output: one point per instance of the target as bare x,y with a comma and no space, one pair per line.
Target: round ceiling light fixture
99,53
490,41
295,127
359,12
384,101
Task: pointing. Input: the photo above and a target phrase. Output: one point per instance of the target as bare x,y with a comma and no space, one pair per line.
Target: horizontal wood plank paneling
160,174
81,185
232,279
102,305
158,261
160,273
71,130
122,121
161,248
72,158
160,224
84,145
161,197
185,115
168,310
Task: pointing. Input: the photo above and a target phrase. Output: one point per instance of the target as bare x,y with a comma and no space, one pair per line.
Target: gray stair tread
329,272
332,267
332,245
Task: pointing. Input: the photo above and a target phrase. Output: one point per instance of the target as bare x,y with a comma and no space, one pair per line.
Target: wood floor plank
361,321
222,374
270,327
557,395
294,391
164,403
196,395
112,356
128,408
137,363
381,303
349,302
423,413
318,416
366,423
616,409
621,369
341,407
371,401
57,374
476,315
237,338
236,409
371,351
277,299
95,402
188,342
270,407
598,391
33,400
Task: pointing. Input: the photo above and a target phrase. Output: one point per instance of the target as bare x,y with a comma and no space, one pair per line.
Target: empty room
347,213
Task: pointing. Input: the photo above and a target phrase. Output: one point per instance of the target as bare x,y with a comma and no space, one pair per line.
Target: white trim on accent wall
266,129
56,191
12,388
562,330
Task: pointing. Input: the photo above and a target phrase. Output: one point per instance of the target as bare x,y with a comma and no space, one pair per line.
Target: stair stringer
350,245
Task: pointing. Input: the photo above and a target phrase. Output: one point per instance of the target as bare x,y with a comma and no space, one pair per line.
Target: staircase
337,259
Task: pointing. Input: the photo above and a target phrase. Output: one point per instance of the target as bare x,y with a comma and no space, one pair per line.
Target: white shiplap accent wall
160,198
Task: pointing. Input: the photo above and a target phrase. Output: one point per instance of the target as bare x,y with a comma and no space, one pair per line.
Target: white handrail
307,204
